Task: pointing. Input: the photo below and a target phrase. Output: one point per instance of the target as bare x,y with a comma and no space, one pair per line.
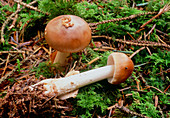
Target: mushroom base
61,58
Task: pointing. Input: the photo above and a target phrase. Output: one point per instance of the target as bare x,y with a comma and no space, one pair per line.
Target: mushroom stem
61,58
64,85
79,80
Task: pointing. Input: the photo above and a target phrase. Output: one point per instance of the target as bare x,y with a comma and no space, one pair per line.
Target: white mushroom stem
61,58
64,85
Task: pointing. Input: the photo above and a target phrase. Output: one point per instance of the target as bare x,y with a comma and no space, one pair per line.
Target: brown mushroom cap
123,67
68,33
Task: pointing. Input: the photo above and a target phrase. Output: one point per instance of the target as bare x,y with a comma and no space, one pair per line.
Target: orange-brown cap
68,33
123,67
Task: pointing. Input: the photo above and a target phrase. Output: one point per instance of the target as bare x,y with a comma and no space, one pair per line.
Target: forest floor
139,29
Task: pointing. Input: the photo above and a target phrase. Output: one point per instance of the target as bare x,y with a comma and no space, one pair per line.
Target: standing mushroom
119,68
67,34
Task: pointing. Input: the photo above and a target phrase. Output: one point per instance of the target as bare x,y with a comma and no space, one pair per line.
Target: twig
14,21
60,107
74,65
143,79
156,100
139,38
149,51
113,107
10,17
112,49
29,6
151,30
16,42
93,60
120,19
3,61
24,44
15,18
140,91
14,57
155,88
160,39
143,43
130,35
45,49
165,34
160,110
163,10
137,85
135,42
22,94
2,52
13,70
137,51
122,108
139,65
165,71
139,30
125,88
40,39
6,65
110,112
48,100
166,89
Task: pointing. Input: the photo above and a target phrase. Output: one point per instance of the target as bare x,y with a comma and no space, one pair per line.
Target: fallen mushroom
67,34
72,93
119,68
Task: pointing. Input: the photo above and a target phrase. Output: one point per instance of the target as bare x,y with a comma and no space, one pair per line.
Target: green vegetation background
96,98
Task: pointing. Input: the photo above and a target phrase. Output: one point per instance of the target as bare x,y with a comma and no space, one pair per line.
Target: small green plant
159,60
144,104
93,54
11,80
45,69
90,100
57,7
5,46
4,14
19,66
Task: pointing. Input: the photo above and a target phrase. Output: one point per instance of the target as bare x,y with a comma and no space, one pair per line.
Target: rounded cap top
123,67
68,33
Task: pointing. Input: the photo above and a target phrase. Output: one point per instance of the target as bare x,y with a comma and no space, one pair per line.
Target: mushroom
72,94
67,34
119,68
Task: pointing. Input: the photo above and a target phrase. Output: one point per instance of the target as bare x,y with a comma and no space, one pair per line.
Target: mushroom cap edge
123,67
